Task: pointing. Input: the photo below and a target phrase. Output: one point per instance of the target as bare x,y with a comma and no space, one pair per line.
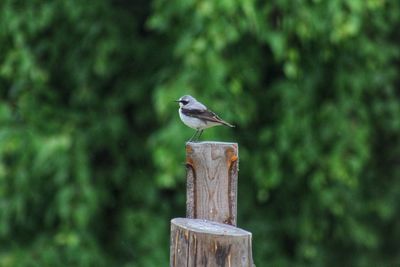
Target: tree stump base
197,242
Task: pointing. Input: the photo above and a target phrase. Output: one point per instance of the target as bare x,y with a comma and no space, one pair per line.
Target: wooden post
208,236
212,173
196,242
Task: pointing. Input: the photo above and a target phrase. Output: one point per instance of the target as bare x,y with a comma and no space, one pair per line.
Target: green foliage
91,147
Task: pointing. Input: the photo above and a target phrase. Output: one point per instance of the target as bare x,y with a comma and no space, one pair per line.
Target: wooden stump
196,242
212,173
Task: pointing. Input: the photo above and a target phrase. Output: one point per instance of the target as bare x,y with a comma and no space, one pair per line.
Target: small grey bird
195,115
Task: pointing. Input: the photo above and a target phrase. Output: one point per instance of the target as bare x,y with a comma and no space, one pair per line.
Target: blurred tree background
92,149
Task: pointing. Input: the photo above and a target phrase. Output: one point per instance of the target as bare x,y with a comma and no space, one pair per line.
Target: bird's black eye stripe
184,102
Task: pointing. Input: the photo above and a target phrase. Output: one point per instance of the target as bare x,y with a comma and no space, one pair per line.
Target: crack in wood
221,254
191,205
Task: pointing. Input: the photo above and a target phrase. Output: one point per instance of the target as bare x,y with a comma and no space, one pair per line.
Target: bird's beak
177,101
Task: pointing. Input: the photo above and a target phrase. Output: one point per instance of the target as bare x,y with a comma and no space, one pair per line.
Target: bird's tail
227,124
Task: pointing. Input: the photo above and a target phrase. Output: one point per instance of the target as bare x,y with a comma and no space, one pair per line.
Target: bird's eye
184,102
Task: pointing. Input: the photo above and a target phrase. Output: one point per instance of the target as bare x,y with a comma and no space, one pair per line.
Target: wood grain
212,173
196,242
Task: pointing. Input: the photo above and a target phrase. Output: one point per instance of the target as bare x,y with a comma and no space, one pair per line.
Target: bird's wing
205,115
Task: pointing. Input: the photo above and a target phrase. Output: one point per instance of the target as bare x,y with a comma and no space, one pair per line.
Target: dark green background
92,149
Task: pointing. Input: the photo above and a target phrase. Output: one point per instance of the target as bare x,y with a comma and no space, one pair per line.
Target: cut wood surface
196,242
212,173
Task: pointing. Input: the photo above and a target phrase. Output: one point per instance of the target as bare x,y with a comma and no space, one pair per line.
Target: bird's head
185,100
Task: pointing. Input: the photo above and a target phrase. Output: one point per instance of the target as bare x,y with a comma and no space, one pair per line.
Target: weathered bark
196,242
212,173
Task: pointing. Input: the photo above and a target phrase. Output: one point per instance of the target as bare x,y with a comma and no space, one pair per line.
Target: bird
197,116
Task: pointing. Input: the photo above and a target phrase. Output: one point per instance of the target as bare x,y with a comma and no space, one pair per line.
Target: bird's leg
191,138
201,131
